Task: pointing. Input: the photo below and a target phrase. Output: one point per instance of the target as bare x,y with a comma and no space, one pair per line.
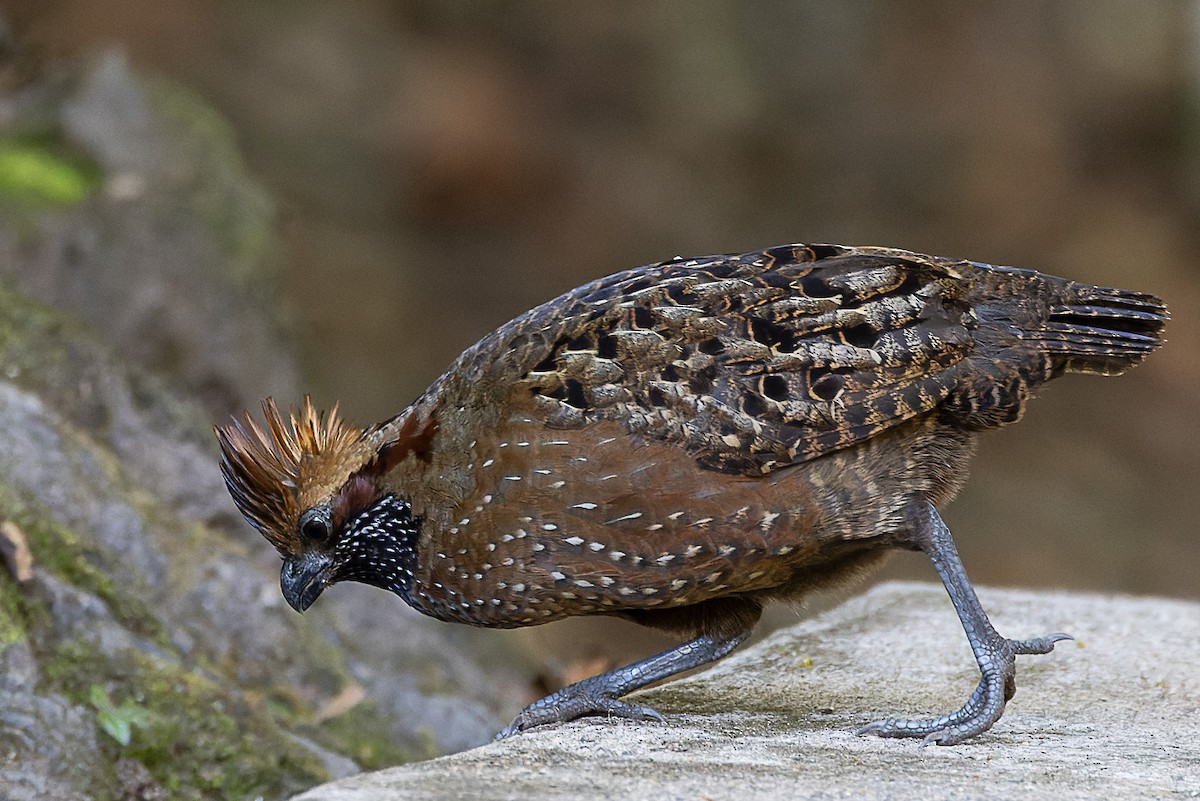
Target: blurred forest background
439,167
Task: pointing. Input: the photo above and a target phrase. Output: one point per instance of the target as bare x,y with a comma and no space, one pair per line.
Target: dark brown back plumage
760,360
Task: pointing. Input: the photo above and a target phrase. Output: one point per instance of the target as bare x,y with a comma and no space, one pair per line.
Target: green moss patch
14,613
199,739
36,175
40,349
59,550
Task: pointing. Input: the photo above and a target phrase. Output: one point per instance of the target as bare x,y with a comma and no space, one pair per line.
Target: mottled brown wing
752,362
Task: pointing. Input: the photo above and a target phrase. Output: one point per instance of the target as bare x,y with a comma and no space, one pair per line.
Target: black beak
303,578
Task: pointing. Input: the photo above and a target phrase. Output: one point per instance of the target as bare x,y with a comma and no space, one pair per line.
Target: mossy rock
198,738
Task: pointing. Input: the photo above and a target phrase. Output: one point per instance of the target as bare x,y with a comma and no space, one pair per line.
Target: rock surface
167,247
1114,715
142,592
145,650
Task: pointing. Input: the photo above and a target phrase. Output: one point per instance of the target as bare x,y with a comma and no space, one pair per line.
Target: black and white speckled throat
379,547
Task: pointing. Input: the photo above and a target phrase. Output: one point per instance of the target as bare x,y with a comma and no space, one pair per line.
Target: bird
683,443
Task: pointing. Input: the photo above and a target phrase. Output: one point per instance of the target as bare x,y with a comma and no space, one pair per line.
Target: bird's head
312,486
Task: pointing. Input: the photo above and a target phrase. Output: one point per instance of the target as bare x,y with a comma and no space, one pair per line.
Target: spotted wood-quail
680,444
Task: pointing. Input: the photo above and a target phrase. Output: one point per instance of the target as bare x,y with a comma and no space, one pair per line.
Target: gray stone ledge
1114,715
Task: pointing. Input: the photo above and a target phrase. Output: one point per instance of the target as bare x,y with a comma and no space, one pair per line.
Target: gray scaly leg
599,695
995,654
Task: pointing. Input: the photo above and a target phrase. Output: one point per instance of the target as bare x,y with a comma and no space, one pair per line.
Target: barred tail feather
1101,331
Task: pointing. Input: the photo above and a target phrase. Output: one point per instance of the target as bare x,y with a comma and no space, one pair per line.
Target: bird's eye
315,526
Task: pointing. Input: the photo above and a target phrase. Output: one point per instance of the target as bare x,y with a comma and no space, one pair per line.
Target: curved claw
883,728
574,706
1040,645
510,729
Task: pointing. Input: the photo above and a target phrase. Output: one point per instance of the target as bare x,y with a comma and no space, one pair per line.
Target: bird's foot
600,695
576,701
998,664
